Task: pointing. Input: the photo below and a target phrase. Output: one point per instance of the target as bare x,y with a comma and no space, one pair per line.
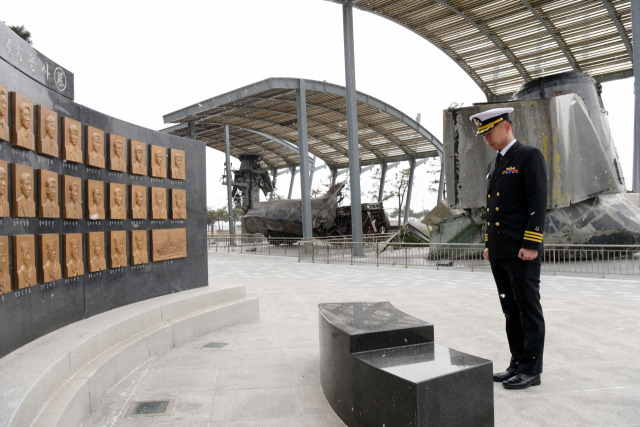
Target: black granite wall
29,313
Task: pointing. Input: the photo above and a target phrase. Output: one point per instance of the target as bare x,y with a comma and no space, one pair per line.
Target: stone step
62,375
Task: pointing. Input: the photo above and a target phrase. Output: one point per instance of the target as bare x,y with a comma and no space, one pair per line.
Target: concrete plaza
266,372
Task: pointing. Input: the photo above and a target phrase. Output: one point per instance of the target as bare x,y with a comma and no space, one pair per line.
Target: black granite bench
381,367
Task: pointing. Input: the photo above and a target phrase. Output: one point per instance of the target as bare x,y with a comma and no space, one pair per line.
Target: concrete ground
266,373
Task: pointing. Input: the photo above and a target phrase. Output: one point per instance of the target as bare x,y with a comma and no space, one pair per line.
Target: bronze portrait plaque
95,199
50,257
72,140
139,251
5,135
177,164
117,201
95,147
72,186
95,251
4,189
118,240
24,204
158,161
158,203
48,184
139,202
24,257
23,116
48,132
138,157
168,244
178,204
117,153
5,277
74,264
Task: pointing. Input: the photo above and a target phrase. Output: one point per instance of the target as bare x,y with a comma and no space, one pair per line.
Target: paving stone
267,374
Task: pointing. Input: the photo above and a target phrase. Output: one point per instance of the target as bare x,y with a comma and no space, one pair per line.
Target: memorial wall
95,212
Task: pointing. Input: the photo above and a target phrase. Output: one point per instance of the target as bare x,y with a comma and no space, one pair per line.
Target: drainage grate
215,345
157,407
151,408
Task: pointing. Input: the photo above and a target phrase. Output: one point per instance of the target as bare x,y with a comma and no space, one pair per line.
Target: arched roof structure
262,119
504,43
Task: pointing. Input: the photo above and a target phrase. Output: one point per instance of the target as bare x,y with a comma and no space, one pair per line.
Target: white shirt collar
505,149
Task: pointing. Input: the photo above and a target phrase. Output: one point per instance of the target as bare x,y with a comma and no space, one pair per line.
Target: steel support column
407,206
383,176
303,147
352,128
292,171
227,155
635,26
334,176
192,129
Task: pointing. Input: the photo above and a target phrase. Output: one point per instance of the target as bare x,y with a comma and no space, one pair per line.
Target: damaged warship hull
283,218
564,117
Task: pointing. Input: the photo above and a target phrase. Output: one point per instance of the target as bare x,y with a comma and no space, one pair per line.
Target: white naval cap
486,120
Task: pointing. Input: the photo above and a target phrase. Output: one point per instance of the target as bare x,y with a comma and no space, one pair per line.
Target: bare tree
396,188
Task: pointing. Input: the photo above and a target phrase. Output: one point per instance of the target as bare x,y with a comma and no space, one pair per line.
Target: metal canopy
262,119
504,43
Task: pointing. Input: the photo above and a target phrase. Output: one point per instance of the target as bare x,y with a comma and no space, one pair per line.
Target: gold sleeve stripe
533,239
486,237
488,125
533,234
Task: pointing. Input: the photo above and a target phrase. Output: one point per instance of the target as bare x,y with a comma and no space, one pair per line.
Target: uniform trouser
518,285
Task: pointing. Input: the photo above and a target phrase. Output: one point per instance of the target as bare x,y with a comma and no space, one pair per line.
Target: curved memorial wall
95,212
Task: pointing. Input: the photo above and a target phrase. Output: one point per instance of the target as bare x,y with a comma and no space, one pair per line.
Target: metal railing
601,260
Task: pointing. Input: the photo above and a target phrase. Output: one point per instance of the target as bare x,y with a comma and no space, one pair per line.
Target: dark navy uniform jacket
516,202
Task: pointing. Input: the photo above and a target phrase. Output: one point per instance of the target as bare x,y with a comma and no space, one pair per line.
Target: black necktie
498,157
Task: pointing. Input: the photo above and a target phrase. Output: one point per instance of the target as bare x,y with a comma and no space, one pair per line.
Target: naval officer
516,205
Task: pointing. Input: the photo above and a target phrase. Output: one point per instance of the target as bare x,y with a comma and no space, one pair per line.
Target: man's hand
527,254
485,254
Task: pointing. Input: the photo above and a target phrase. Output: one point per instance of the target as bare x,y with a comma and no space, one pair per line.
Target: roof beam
269,164
291,128
220,110
274,138
437,43
375,152
382,106
285,160
497,43
554,34
285,144
254,90
616,22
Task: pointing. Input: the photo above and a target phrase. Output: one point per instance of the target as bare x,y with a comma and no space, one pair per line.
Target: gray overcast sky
139,60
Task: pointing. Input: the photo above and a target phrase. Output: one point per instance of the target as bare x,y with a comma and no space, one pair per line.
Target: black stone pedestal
380,367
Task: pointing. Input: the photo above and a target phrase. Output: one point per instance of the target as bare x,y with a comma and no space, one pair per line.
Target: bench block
380,366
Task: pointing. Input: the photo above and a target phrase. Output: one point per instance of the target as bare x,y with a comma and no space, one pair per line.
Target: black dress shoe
521,381
503,376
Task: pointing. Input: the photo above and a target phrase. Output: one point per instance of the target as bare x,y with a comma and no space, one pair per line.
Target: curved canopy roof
262,119
502,44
